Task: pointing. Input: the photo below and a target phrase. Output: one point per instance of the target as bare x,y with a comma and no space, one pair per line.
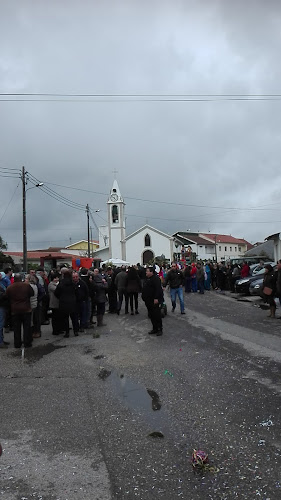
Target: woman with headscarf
269,288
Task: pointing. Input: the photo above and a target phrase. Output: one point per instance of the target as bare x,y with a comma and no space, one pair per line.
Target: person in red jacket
245,271
193,274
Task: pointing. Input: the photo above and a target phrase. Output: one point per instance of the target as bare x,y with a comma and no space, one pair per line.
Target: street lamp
24,239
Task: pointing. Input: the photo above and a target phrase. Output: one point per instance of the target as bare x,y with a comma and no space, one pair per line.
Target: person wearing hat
152,295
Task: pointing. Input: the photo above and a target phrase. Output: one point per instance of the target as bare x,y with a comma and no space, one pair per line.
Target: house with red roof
215,247
229,247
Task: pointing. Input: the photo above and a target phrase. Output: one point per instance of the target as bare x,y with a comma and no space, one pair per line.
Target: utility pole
24,241
88,227
91,241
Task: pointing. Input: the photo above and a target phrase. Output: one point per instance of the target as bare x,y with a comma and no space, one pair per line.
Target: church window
114,212
147,241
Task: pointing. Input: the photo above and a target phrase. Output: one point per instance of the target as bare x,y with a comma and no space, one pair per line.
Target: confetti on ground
166,372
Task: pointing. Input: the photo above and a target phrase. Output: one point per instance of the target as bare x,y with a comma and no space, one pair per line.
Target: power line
8,168
161,201
54,193
98,98
205,222
9,176
9,202
57,197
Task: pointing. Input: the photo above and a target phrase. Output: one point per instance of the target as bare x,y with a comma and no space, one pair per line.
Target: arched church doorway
147,256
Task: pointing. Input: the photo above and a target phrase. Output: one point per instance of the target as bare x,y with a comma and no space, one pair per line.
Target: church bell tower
116,223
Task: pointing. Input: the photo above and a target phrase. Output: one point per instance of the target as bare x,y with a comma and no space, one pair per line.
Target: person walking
65,292
133,289
175,279
19,294
152,295
121,285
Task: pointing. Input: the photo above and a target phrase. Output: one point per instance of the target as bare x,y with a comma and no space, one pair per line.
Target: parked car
255,268
243,285
255,287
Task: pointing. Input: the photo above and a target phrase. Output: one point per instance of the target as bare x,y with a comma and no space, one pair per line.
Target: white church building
141,246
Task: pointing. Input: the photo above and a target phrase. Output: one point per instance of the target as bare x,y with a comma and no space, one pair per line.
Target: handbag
267,290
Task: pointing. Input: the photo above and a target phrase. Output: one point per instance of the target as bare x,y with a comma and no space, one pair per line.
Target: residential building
229,247
81,248
193,246
276,238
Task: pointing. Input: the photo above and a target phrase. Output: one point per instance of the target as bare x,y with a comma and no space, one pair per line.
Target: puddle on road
144,401
33,354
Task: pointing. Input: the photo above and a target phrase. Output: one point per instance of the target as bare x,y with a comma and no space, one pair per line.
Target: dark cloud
218,154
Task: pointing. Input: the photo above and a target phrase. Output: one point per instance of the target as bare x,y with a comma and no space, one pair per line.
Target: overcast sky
216,153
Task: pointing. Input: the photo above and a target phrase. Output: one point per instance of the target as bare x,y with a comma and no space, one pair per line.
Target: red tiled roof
37,255
227,238
200,240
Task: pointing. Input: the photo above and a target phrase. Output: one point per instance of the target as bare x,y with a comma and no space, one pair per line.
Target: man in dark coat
66,294
152,295
100,287
112,292
19,294
121,285
82,297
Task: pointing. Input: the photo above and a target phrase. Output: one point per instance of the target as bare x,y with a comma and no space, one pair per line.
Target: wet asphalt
119,416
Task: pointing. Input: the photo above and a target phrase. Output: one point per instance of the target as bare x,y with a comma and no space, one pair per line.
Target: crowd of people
66,294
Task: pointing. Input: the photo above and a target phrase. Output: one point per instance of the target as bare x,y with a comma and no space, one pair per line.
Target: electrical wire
54,193
126,97
8,168
10,202
57,197
163,202
56,94
9,176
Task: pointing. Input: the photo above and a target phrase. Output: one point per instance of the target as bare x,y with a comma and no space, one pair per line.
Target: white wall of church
135,246
116,244
103,236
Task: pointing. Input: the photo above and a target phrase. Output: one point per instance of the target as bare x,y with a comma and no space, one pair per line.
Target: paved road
211,382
